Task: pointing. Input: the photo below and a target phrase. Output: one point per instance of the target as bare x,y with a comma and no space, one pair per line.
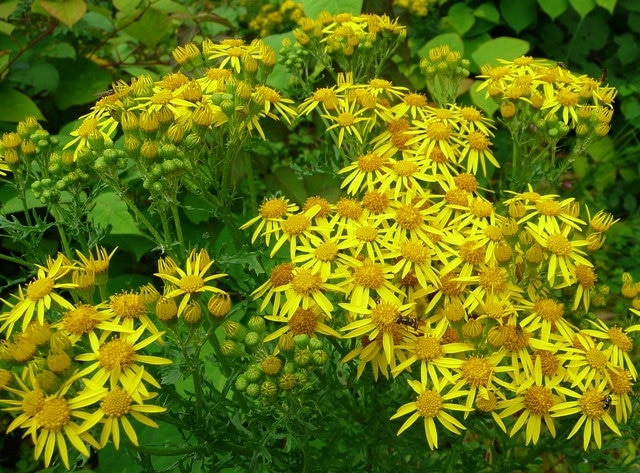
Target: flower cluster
359,44
71,365
276,18
425,273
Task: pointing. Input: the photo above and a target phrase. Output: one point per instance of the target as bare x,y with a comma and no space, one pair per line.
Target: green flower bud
315,344
290,368
231,348
287,381
271,365
302,340
268,389
257,324
253,373
319,357
302,357
252,339
253,390
286,343
234,330
241,383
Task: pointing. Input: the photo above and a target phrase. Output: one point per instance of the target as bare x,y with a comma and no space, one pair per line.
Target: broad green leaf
453,40
150,28
627,49
312,8
279,77
518,15
488,11
602,150
553,8
59,50
480,100
169,6
196,209
6,28
110,211
608,5
10,202
42,76
134,244
126,6
503,47
83,79
68,12
461,18
99,22
286,180
583,7
7,8
15,106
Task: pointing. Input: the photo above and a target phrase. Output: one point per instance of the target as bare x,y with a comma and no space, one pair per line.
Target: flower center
408,217
326,251
586,276
415,252
493,233
457,196
549,362
549,309
191,283
128,305
548,207
325,206
305,282
428,348
54,415
32,402
295,225
538,400
559,244
429,403
515,339
471,252
488,402
384,315
117,352
405,168
567,98
370,162
367,234
595,358
415,100
478,141
281,274
438,131
466,181
39,288
303,321
493,279
116,403
477,371
375,202
345,119
620,339
349,208
591,403
274,208
369,275
481,208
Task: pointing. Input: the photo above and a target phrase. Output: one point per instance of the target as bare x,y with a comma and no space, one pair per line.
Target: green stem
176,221
253,203
13,259
63,234
215,344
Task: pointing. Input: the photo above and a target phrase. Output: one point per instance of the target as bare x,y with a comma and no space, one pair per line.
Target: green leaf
15,106
312,8
461,18
503,47
553,8
59,50
11,203
453,40
480,100
126,6
488,11
608,5
518,15
627,49
82,80
150,28
110,211
583,7
42,76
99,22
68,12
196,209
286,180
7,8
6,28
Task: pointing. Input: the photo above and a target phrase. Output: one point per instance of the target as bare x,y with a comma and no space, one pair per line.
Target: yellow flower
39,295
432,404
348,119
192,280
306,287
303,321
271,214
592,406
116,406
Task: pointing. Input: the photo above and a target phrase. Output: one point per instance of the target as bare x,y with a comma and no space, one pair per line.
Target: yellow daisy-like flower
589,362
49,421
348,119
116,405
302,322
432,404
533,402
39,295
118,357
593,408
280,276
305,288
479,372
564,254
271,214
364,172
192,280
621,343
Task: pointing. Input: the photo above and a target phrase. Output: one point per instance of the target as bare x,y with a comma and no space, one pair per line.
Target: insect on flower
606,402
408,321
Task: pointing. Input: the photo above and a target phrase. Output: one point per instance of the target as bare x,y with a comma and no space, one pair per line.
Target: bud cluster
444,70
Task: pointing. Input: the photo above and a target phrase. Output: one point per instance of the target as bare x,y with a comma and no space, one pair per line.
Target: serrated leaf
67,12
553,8
518,15
461,18
453,40
110,211
583,7
503,47
313,7
608,5
82,80
150,28
15,106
